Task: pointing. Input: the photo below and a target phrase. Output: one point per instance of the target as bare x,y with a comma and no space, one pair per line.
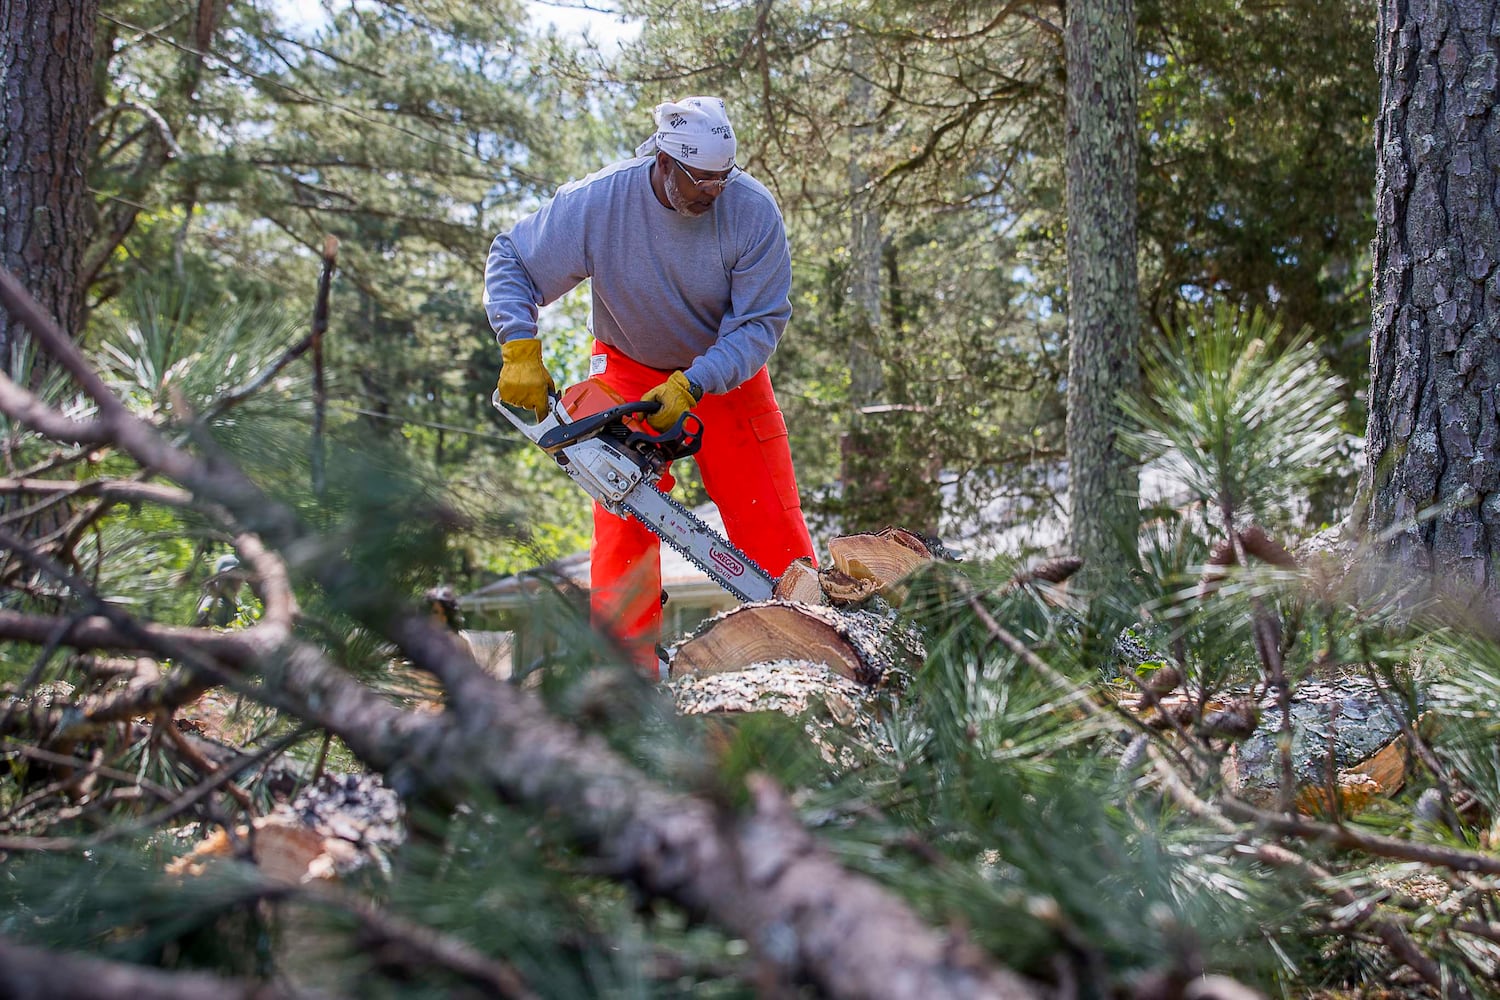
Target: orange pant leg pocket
771,435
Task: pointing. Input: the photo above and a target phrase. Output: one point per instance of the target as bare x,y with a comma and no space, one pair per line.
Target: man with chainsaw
691,277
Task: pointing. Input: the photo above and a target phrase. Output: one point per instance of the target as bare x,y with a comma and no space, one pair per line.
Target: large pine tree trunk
1103,323
1433,435
46,70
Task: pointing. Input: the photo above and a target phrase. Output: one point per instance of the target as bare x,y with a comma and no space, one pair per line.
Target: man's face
693,192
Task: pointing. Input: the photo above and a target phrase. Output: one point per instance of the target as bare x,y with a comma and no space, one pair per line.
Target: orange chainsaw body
592,396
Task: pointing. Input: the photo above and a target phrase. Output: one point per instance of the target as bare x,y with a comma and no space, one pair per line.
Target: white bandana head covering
694,131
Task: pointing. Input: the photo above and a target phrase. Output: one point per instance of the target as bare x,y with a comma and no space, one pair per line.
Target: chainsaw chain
703,529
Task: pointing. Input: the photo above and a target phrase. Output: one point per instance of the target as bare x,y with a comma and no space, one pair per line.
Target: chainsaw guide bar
617,461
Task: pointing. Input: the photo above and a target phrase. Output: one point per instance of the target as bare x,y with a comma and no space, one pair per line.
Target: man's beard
680,204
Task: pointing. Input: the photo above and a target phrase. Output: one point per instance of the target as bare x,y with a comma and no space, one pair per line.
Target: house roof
680,578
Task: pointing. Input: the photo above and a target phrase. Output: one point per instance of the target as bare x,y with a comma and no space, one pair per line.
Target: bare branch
36,974
25,408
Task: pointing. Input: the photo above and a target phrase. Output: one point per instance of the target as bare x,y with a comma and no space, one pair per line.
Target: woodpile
830,636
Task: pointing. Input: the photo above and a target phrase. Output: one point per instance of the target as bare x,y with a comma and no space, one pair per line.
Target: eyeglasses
708,185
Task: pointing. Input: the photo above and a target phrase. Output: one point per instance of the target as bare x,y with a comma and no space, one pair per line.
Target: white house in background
692,595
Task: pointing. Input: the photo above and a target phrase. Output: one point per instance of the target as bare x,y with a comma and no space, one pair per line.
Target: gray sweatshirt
708,295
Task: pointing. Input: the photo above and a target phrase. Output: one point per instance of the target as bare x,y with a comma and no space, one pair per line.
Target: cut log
843,590
910,540
886,557
799,584
332,827
792,687
831,707
1347,745
859,645
1344,719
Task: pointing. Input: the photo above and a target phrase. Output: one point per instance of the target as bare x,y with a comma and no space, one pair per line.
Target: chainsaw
601,441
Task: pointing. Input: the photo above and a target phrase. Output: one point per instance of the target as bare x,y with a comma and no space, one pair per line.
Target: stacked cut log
839,615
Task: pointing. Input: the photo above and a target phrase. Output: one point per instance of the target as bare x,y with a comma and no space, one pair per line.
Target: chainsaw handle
565,434
535,430
558,429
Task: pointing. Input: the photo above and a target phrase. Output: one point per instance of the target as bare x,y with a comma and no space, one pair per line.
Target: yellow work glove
676,395
523,378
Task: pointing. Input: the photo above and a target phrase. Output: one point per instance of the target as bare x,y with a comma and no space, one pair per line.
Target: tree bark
46,69
1103,311
1432,473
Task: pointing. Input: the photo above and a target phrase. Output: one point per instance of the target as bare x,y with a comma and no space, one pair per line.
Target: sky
571,17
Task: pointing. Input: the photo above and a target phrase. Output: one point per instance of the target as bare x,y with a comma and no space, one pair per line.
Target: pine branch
1219,817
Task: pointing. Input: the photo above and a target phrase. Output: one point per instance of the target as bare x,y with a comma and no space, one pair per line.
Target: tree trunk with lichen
46,96
1432,471
1103,324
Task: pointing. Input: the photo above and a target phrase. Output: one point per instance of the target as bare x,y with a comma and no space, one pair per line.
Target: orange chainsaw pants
746,466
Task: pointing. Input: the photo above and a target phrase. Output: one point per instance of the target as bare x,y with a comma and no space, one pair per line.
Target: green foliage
989,797
21,445
1249,418
1250,115
1466,720
168,341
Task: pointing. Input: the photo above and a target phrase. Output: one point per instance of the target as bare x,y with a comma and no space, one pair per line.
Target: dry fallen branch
38,974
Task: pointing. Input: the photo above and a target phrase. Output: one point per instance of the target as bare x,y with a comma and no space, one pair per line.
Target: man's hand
523,378
676,395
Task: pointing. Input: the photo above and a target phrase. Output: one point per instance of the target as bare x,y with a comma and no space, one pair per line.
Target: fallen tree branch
1349,838
27,409
762,875
1390,934
114,490
43,974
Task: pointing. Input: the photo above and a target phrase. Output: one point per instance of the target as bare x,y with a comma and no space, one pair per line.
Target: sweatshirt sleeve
533,264
760,287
